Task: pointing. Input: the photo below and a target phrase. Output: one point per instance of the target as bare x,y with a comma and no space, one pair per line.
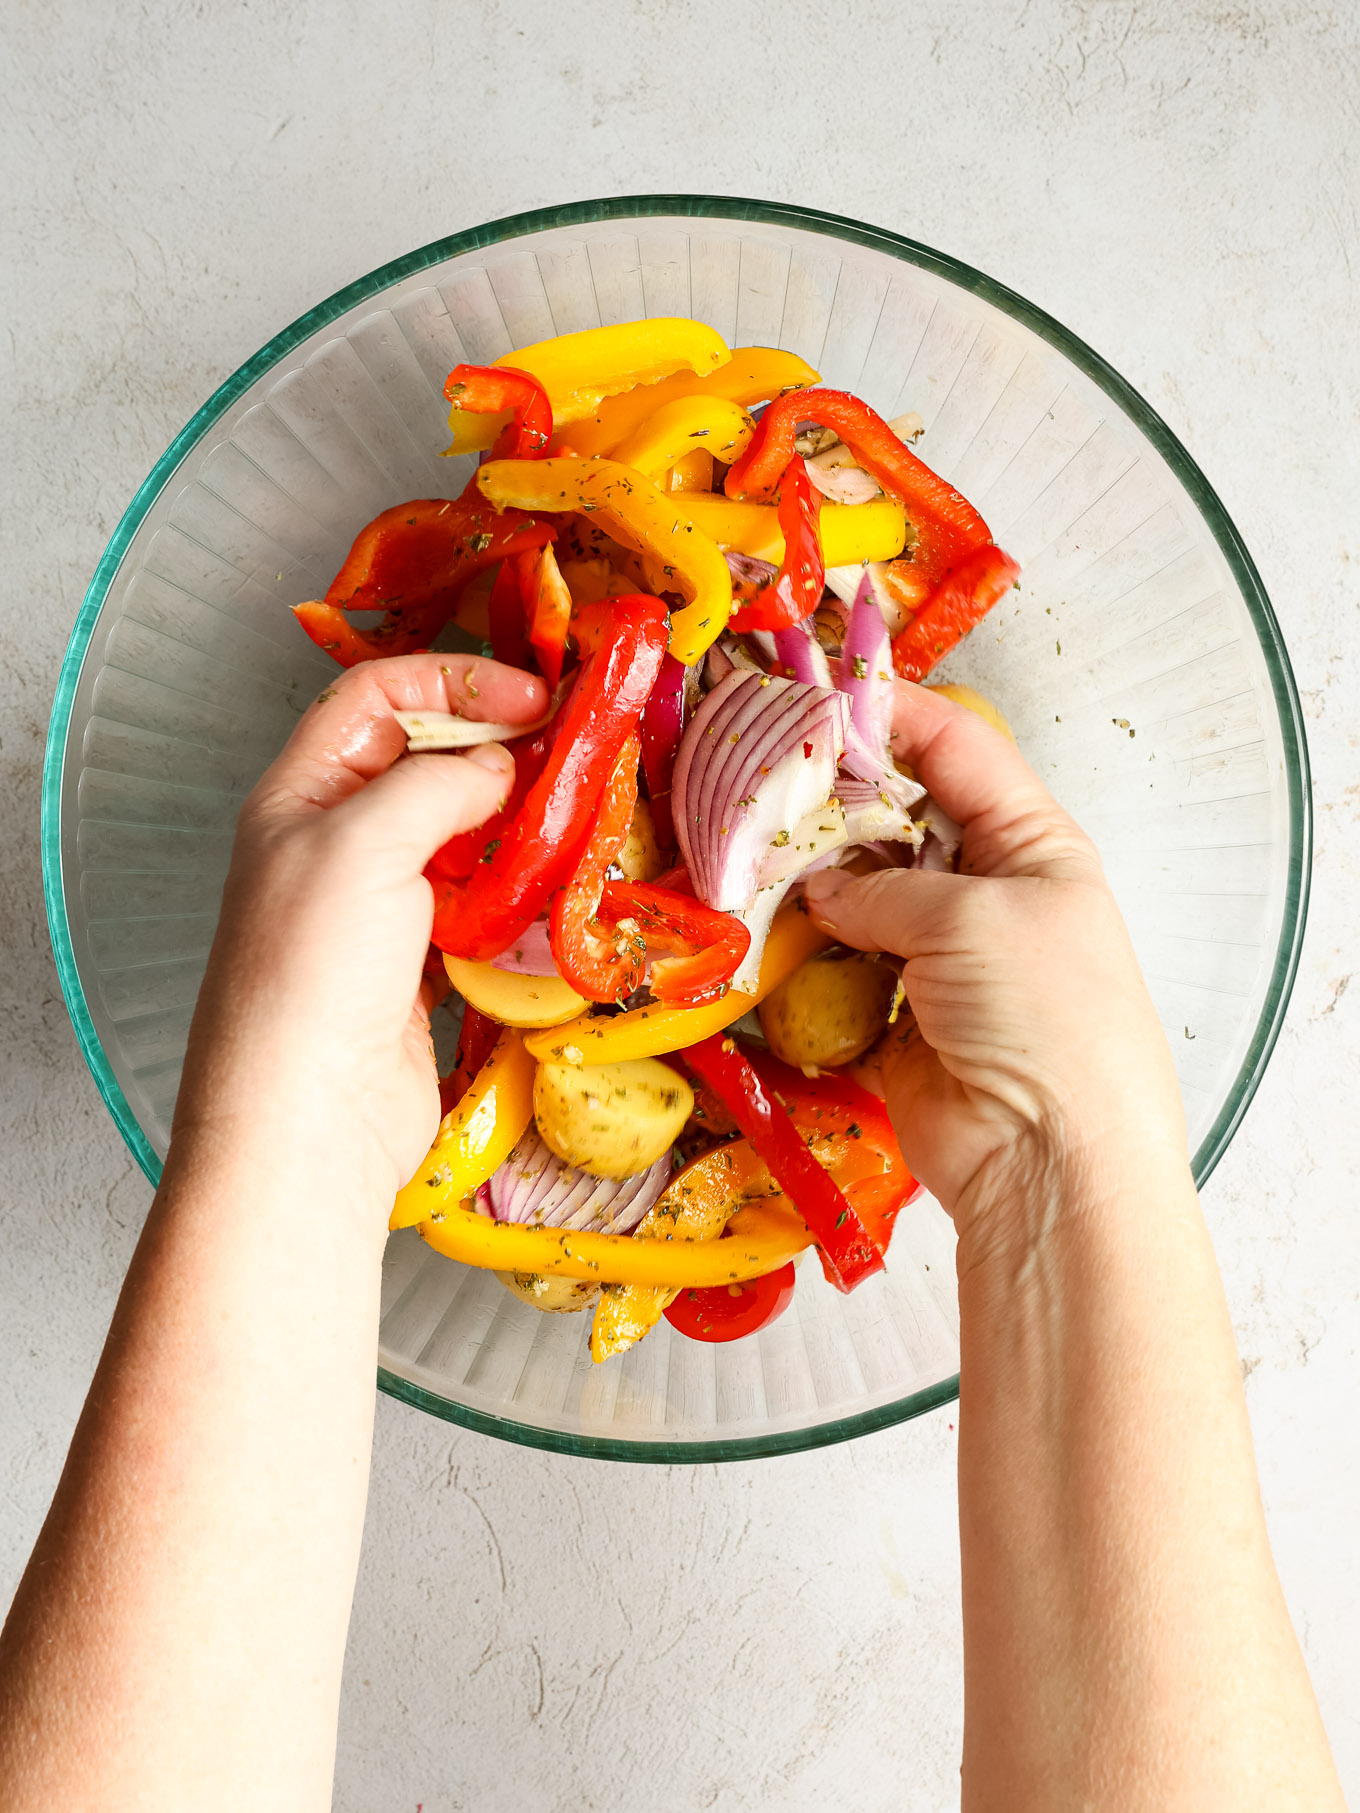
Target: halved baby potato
612,1120
829,1011
558,1296
513,999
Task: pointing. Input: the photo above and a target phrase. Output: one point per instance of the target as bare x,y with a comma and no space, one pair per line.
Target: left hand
311,1006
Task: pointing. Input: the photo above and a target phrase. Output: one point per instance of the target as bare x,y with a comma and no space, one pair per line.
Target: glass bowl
1140,664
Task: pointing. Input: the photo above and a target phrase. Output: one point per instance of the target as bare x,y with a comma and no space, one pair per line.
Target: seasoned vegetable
611,1119
559,1296
692,656
829,1011
514,1000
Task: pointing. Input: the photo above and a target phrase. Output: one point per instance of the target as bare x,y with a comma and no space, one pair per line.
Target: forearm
1126,1641
179,1634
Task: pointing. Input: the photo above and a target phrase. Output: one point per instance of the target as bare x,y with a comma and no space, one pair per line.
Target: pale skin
177,1639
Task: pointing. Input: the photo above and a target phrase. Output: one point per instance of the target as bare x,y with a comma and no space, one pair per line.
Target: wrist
1056,1186
290,1155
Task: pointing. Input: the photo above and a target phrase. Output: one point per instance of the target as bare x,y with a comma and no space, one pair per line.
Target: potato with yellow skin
612,1120
512,999
829,1011
557,1296
976,703
640,858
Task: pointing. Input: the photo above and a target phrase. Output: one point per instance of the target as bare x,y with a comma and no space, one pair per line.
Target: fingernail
494,757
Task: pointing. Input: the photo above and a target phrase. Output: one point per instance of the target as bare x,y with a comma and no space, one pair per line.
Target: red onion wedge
802,655
530,954
872,817
535,1186
845,583
866,678
760,756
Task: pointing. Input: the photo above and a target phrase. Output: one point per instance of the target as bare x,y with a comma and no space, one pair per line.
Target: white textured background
1177,181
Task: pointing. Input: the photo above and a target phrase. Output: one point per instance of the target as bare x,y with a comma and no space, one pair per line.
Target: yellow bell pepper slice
692,473
647,1032
849,533
475,1136
753,374
579,371
711,424
629,506
763,1238
696,1205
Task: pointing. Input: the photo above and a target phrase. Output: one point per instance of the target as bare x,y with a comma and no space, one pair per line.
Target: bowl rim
837,228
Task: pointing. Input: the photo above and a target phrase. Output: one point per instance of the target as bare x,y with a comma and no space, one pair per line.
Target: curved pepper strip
632,510
692,473
499,390
697,1204
710,424
484,915
849,1256
578,371
476,1041
710,944
411,561
847,1130
651,1031
599,970
476,1138
507,628
797,588
847,533
763,1237
459,857
958,604
946,524
547,606
753,374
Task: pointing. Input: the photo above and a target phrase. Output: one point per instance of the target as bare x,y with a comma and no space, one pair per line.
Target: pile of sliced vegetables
653,1109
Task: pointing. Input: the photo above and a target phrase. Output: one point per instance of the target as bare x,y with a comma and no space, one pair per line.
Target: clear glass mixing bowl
1140,664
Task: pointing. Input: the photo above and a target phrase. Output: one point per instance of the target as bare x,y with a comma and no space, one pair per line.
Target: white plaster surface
1177,181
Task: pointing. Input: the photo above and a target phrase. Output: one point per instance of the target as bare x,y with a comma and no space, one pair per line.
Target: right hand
1032,1038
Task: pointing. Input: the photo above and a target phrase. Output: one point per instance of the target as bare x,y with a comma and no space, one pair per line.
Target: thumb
907,912
405,814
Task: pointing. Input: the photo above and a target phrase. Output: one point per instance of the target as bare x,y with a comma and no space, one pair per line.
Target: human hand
1032,1038
310,1016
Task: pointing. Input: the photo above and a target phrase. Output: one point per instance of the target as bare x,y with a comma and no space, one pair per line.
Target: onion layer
535,1186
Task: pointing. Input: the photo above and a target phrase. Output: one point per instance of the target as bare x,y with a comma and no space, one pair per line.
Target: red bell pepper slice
412,561
797,589
849,1255
663,721
459,857
710,944
493,389
847,1129
547,607
505,615
946,524
600,969
475,1043
484,915
958,603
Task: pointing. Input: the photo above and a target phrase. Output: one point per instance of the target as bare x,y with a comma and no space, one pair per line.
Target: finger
1012,824
402,817
905,911
350,734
